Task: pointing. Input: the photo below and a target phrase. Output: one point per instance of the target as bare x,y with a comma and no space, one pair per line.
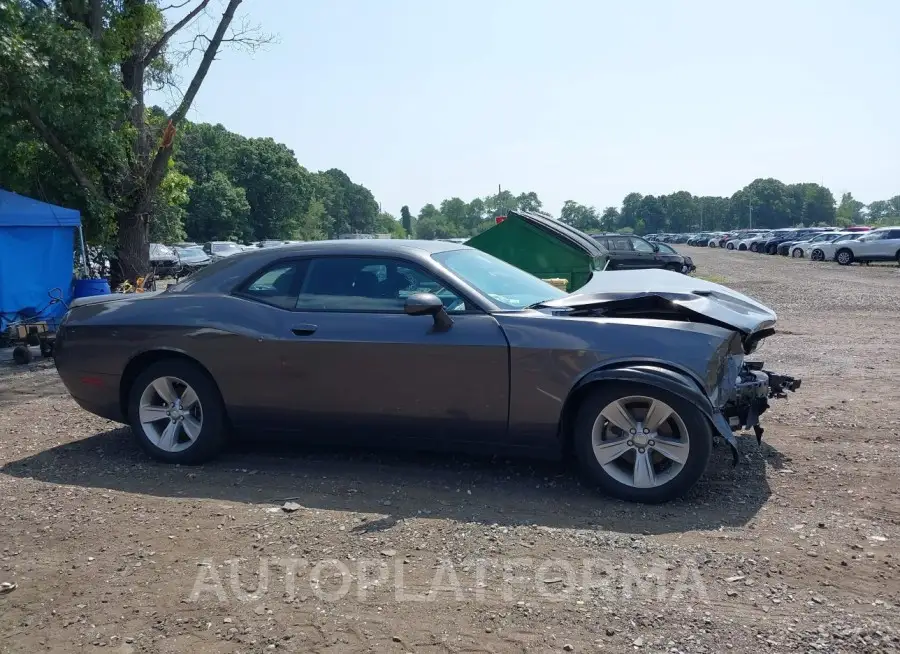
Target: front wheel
640,443
844,257
817,255
176,413
754,247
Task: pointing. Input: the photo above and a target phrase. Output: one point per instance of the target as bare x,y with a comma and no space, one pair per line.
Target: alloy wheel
170,414
640,441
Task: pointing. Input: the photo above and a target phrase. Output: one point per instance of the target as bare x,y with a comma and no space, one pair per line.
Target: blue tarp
36,257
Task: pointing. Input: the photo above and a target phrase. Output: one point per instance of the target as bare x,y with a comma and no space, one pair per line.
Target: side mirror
428,304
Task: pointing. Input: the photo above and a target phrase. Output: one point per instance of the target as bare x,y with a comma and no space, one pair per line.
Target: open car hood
669,295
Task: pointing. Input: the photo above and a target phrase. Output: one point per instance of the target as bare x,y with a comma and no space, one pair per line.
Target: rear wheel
797,253
22,354
729,246
754,247
640,443
177,413
844,257
772,249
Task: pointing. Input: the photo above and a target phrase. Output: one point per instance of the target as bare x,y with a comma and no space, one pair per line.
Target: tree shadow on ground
397,485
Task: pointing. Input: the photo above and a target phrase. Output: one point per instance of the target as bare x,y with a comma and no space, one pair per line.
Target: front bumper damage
748,399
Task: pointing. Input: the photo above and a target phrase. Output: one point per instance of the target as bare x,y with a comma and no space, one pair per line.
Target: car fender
676,382
668,379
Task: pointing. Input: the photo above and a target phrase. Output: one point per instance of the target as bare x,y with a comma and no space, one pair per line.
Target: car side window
640,245
894,235
362,284
620,244
277,284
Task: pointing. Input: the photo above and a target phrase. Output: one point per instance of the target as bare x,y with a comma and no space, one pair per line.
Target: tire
772,249
817,255
178,376
844,257
729,246
22,354
616,477
797,253
742,247
674,267
754,247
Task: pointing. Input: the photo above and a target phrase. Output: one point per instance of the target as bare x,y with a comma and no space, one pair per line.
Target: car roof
371,246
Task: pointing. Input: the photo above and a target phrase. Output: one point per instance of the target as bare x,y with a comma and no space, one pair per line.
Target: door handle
304,330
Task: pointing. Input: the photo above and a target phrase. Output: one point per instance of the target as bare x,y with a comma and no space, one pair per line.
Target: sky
585,100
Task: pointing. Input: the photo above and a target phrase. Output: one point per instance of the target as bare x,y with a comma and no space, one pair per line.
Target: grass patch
715,279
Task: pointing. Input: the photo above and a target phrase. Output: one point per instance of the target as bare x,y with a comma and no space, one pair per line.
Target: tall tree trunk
133,247
149,169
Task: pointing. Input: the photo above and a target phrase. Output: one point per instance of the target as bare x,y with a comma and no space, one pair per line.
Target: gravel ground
290,549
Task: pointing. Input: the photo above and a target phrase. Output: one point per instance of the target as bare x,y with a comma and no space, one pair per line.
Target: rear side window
278,284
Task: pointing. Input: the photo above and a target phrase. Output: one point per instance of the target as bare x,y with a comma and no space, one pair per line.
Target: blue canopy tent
36,257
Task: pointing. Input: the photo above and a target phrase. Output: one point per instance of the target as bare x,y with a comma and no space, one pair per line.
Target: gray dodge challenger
431,345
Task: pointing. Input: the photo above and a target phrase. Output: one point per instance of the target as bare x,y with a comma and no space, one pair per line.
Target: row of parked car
845,245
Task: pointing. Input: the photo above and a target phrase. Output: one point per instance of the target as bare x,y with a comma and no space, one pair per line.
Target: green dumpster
544,247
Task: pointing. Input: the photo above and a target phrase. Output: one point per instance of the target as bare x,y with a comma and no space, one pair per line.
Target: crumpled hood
632,290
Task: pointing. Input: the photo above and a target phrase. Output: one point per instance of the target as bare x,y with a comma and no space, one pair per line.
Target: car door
885,248
892,246
643,254
351,363
870,246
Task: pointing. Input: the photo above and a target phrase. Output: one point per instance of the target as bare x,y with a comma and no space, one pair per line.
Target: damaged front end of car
738,390
742,395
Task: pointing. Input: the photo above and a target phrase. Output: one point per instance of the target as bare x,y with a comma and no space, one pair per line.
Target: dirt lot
798,549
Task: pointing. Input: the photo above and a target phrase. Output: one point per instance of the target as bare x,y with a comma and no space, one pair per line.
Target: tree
385,223
407,220
609,219
218,211
278,188
76,74
434,225
579,216
173,197
850,210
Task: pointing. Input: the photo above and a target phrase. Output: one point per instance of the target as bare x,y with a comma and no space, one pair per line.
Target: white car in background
824,250
881,244
798,249
751,241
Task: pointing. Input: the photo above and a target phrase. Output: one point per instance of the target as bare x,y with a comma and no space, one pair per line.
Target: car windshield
509,287
158,250
225,247
193,250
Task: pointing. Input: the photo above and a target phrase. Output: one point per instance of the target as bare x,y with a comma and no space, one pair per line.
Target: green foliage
218,210
169,213
408,221
385,223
